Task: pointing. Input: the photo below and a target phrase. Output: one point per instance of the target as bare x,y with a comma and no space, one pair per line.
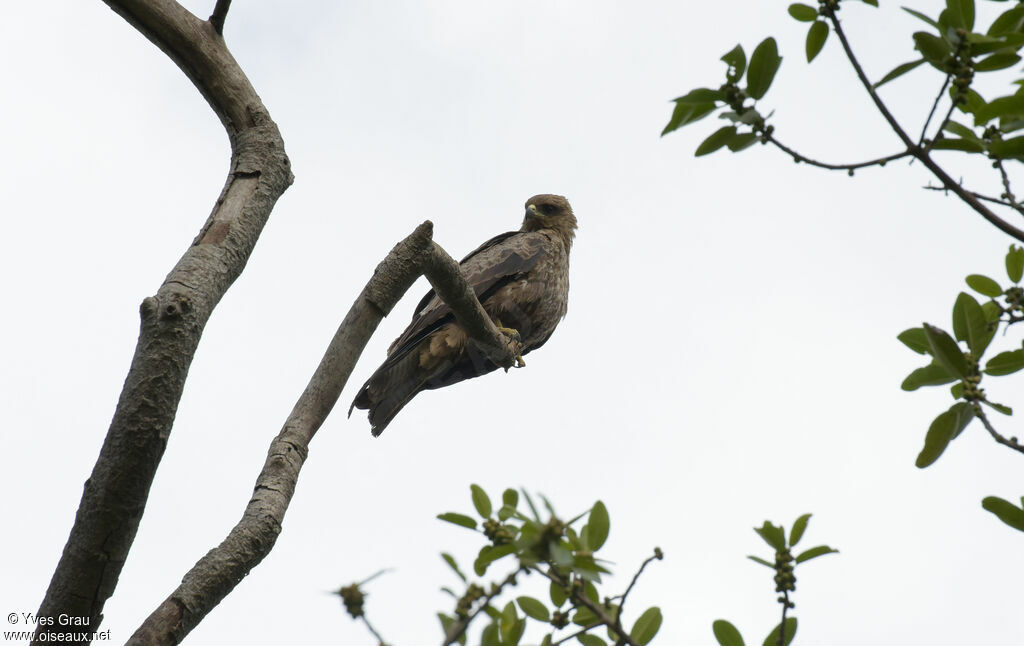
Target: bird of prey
522,280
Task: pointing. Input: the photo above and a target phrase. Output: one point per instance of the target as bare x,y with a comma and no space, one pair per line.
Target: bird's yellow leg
515,341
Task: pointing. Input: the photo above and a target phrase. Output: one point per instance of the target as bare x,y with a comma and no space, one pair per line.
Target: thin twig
581,599
220,12
938,132
1008,192
457,629
380,640
581,631
935,105
984,198
797,157
782,626
1009,442
912,147
658,555
882,108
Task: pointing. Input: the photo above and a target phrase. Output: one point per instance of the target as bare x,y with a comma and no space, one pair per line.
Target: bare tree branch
931,113
1011,443
797,157
172,320
252,538
220,12
985,198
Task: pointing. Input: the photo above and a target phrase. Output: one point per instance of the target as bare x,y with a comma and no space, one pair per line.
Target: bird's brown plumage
522,281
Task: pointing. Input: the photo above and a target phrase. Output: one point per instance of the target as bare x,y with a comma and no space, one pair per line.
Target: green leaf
533,608
914,339
736,59
984,285
1011,125
749,117
450,560
1007,148
992,311
458,519
799,527
764,63
931,375
1006,511
941,432
701,96
717,139
946,352
760,560
816,37
962,13
684,114
873,3
774,536
742,141
490,637
918,14
898,71
590,640
1004,106
815,552
1015,263
773,638
481,501
957,390
590,592
514,634
510,497
970,325
596,531
1005,363
489,554
934,49
997,61
726,633
965,145
546,641
492,612
1008,22
803,12
584,617
959,129
973,104
508,615
1005,410
646,627
557,593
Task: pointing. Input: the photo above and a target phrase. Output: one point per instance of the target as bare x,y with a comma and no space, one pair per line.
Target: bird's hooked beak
531,211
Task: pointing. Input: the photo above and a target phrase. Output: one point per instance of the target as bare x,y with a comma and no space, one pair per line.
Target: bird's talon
515,343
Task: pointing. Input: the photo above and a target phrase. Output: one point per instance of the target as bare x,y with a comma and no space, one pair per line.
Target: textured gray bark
252,538
172,323
173,319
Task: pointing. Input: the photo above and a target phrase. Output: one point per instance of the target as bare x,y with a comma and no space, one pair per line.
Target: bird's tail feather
389,389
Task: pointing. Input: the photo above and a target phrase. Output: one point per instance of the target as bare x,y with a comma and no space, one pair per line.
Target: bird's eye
547,209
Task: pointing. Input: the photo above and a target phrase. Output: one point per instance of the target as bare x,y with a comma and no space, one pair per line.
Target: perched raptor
522,280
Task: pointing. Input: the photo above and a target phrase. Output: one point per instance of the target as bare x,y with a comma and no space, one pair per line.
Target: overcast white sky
729,354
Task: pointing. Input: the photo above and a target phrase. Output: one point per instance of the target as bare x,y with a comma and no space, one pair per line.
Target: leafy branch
556,551
784,566
955,50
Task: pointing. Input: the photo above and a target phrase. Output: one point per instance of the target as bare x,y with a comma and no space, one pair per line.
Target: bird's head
550,212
